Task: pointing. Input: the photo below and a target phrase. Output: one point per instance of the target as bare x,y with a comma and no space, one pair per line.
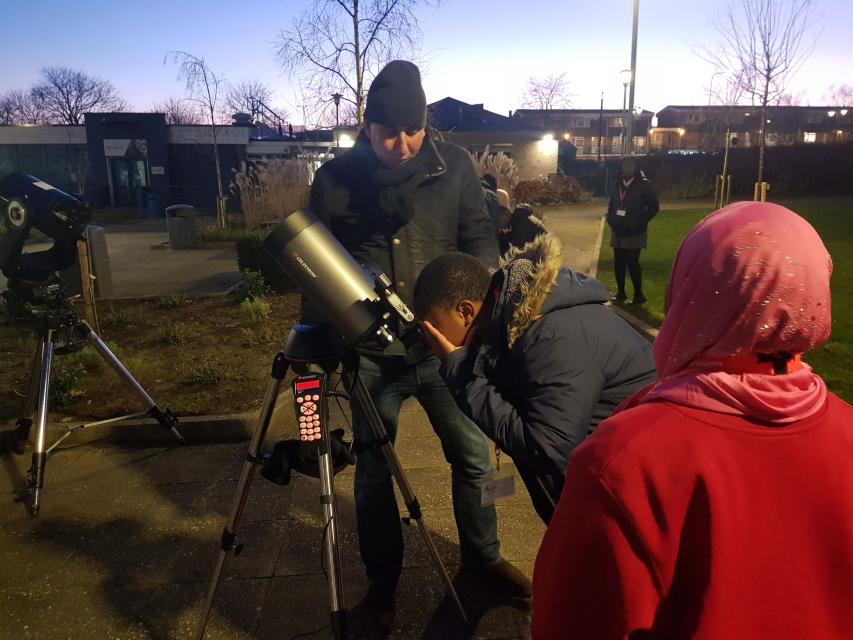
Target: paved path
140,270
127,539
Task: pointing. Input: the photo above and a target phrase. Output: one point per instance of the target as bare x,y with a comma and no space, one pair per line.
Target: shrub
206,375
64,378
254,285
117,318
499,165
255,309
272,189
213,233
556,191
251,256
174,335
173,302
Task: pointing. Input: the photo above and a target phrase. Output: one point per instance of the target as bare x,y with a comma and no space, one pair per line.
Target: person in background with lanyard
632,205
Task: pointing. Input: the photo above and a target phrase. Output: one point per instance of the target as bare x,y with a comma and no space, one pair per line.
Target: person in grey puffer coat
531,355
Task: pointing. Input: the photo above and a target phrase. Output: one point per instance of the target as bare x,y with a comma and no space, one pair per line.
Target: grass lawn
833,219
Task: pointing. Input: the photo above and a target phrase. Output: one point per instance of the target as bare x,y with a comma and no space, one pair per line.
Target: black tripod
60,331
311,353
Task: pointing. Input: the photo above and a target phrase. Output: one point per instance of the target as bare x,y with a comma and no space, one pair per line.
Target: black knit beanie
396,97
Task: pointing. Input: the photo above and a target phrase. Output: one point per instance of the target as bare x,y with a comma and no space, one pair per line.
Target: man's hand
441,346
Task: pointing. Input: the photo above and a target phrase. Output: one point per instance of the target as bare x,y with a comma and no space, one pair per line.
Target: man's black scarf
395,188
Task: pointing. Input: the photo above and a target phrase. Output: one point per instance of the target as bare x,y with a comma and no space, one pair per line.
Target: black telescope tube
326,274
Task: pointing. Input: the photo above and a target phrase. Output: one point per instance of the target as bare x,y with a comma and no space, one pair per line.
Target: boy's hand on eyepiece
441,346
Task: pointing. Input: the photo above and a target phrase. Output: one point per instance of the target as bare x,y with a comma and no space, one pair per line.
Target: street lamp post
336,98
626,76
629,147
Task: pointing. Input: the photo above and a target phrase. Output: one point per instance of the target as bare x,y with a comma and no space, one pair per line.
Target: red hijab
749,281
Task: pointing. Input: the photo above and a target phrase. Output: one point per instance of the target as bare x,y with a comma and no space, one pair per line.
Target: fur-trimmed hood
532,282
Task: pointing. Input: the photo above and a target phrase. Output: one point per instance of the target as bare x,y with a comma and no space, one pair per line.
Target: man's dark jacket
553,363
449,211
639,203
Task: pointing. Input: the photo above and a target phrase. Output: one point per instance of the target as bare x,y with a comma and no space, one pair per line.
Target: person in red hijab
717,502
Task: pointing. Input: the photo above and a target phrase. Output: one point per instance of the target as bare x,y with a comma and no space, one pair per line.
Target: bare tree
549,92
242,96
791,98
178,111
64,95
763,42
334,46
839,95
18,107
206,89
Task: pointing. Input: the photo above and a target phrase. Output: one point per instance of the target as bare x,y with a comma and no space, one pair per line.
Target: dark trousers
630,259
390,381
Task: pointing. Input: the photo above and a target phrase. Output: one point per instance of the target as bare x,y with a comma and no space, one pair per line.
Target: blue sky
477,51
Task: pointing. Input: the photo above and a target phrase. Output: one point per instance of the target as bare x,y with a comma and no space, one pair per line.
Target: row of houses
118,159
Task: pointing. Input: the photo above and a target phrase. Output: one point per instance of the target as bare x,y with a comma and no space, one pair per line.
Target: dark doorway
129,177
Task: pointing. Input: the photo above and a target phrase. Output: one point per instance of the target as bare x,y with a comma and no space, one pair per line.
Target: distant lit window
809,136
657,138
582,123
617,122
579,140
640,141
617,140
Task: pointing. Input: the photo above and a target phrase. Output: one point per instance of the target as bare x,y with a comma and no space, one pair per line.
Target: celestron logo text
304,265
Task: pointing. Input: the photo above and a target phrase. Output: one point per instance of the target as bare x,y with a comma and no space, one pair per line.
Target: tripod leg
165,418
36,480
316,379
229,533
412,504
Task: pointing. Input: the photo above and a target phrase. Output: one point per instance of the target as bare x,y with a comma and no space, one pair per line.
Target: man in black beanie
398,199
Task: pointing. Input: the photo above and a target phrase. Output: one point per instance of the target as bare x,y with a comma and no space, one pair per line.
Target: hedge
251,256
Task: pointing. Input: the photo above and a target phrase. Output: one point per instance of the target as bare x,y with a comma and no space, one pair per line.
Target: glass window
809,136
579,141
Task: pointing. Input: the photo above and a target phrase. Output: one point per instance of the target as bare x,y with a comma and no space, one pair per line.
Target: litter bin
180,221
152,205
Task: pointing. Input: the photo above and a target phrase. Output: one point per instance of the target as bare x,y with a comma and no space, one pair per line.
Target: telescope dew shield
329,277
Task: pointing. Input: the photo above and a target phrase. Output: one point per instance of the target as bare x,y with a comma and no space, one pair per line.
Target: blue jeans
390,381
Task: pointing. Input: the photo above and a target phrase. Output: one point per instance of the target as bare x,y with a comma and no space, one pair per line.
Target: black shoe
380,608
639,299
502,579
619,297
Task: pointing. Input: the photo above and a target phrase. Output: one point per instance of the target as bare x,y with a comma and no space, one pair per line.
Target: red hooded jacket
678,522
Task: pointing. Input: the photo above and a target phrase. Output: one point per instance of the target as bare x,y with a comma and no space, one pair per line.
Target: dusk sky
477,51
